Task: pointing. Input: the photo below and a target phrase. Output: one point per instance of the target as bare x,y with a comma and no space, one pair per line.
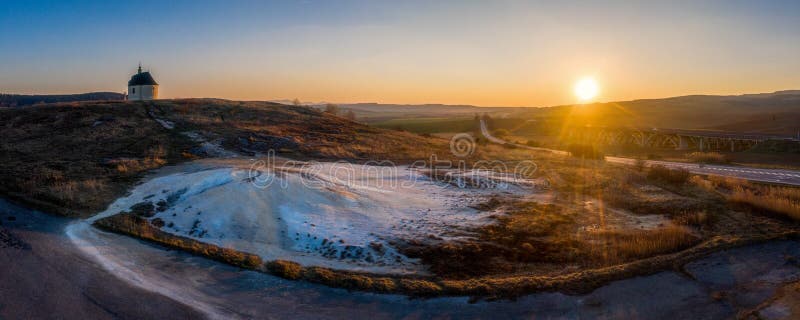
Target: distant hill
787,123
769,113
375,112
765,112
17,100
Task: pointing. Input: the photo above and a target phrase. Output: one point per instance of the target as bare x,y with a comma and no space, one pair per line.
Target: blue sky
477,52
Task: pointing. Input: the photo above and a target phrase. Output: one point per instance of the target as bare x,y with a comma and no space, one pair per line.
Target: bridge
679,139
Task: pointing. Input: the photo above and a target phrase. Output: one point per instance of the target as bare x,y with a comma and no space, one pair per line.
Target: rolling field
429,125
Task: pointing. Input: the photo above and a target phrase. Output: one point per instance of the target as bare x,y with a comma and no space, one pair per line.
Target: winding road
780,176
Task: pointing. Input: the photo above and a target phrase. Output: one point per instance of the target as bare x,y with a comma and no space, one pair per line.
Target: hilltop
74,158
18,100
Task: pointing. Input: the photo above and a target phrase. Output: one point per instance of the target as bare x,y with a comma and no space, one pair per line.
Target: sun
586,89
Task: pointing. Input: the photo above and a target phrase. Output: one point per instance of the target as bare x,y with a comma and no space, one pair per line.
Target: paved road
789,177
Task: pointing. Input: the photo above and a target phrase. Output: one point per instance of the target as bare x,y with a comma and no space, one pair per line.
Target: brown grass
507,286
708,157
285,269
667,175
695,219
781,200
131,224
618,246
75,158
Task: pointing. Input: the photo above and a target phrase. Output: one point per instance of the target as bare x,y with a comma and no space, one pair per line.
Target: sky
487,53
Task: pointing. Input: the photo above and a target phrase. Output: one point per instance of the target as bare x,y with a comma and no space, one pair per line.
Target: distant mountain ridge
18,100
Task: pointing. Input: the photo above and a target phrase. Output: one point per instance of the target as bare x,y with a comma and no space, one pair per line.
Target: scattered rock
377,246
8,240
264,143
162,205
143,209
157,222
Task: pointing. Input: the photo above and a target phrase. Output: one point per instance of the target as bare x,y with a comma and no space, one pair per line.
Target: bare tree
332,109
296,102
350,115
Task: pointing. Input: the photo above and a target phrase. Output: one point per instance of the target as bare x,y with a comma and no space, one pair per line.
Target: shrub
320,275
672,176
332,109
696,219
131,224
384,284
584,151
728,183
639,165
500,133
533,143
705,184
420,287
708,157
285,269
356,282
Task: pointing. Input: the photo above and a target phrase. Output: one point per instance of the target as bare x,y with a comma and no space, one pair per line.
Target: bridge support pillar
683,143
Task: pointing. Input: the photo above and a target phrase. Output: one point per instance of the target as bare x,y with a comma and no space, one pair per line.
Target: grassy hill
75,158
786,123
381,112
731,113
18,100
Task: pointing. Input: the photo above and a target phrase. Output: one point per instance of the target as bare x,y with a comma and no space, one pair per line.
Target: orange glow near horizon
495,53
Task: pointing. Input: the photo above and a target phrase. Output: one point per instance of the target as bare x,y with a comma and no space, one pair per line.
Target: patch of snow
166,123
211,148
328,214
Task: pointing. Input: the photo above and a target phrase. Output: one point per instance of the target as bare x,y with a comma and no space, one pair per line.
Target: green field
429,125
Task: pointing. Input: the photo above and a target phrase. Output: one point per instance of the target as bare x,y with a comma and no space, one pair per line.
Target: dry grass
131,224
507,286
705,184
619,246
530,246
695,219
708,157
75,158
667,175
781,200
